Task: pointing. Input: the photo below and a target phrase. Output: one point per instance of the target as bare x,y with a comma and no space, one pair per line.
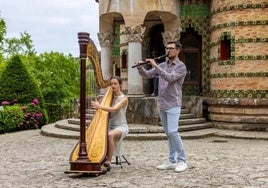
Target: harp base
86,168
86,172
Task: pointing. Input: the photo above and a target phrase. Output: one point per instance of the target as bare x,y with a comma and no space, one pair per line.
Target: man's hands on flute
149,61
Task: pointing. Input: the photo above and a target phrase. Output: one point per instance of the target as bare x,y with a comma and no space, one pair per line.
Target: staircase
189,127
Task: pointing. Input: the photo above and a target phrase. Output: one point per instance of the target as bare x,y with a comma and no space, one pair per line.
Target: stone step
136,132
146,129
197,134
137,128
152,132
186,120
73,125
64,124
187,116
190,121
53,131
75,121
193,127
185,111
91,113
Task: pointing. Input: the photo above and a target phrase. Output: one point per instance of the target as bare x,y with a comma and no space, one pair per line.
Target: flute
156,59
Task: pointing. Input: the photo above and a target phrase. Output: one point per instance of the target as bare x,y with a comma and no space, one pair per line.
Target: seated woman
118,128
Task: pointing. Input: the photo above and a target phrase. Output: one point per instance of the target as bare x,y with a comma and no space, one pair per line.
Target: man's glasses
170,48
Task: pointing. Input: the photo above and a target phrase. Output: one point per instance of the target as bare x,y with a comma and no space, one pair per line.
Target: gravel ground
29,159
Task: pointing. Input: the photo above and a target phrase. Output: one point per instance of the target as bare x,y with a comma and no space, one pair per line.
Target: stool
118,154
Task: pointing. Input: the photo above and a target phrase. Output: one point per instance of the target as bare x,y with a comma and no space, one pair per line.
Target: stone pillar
106,41
134,36
171,36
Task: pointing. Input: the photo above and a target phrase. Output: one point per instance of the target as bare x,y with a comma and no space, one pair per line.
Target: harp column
106,40
134,37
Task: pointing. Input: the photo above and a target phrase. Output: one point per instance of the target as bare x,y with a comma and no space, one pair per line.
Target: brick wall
239,85
246,23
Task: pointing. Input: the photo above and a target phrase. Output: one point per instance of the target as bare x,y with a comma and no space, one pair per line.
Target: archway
156,40
157,48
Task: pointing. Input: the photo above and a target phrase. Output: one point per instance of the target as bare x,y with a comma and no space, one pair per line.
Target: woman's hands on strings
95,104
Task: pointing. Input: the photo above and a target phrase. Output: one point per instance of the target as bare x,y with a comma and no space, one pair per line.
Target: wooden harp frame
90,152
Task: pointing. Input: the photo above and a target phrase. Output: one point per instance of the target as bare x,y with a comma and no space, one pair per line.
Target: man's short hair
177,44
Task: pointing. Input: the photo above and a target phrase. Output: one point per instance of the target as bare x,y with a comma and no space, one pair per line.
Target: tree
2,36
2,31
14,46
57,75
21,46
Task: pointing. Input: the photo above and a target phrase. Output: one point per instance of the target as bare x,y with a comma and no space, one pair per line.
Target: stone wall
144,110
240,114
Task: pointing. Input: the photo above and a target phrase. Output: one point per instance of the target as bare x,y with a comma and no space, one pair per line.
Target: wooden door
191,56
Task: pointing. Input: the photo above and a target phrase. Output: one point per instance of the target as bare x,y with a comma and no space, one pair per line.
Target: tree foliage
14,46
2,36
57,76
22,45
2,32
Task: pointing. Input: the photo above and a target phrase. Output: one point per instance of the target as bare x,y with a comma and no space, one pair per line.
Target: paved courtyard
29,159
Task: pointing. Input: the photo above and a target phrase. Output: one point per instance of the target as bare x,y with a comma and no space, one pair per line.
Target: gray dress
118,119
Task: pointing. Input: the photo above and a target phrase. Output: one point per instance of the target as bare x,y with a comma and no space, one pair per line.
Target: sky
52,24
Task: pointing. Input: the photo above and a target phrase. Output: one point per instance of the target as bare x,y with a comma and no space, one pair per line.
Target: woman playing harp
90,152
118,128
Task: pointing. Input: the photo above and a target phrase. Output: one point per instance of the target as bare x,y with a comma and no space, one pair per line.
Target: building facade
225,50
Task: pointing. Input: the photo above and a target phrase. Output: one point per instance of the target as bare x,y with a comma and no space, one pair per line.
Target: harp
90,152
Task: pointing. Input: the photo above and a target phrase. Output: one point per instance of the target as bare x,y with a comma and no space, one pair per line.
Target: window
225,48
124,60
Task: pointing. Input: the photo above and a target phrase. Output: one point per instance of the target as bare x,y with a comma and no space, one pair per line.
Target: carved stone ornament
134,33
106,39
171,36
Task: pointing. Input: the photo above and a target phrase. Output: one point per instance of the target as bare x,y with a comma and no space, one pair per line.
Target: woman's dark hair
118,79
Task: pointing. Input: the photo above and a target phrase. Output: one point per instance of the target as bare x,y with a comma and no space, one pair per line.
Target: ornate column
171,36
134,36
106,40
